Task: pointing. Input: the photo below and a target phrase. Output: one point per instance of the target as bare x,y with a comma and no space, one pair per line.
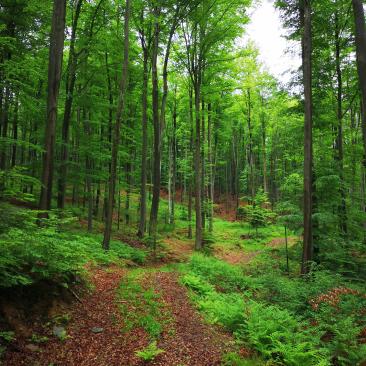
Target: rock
59,332
32,348
97,330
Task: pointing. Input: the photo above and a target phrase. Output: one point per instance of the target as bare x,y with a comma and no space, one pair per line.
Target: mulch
191,343
82,347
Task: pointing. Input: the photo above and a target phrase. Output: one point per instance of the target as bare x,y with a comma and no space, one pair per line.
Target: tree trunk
15,133
307,256
156,125
264,150
142,222
203,134
70,85
197,168
210,168
54,75
117,130
190,190
360,35
339,138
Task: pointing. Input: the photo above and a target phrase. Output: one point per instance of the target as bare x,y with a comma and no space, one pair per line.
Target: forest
165,199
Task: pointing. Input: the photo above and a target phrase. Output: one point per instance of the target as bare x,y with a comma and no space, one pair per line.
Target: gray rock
32,348
97,330
59,332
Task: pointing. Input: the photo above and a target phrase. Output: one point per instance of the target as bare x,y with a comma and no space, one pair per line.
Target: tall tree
117,130
308,139
54,75
69,91
360,35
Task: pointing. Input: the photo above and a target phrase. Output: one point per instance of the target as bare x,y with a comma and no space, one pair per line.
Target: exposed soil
235,256
188,341
191,341
82,347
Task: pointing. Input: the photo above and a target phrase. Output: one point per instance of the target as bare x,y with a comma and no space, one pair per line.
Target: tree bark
307,256
70,85
142,222
54,75
360,36
339,138
117,130
197,167
156,126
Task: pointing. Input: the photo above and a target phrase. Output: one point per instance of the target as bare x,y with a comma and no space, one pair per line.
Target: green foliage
150,352
12,182
280,321
196,284
220,274
271,331
233,359
146,305
7,336
32,253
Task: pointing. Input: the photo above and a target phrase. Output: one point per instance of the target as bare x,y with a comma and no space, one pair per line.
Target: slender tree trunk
308,141
339,139
360,36
190,190
4,129
15,133
54,75
142,222
174,163
159,118
264,150
203,174
88,179
70,85
251,155
198,170
157,130
210,167
117,130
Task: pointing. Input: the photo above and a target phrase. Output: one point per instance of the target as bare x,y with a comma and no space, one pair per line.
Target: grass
266,310
140,306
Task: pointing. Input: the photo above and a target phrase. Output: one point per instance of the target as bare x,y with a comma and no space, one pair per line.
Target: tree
117,130
54,75
308,140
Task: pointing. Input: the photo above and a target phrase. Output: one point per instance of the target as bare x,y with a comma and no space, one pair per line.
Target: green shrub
30,253
223,276
224,309
150,352
196,284
277,334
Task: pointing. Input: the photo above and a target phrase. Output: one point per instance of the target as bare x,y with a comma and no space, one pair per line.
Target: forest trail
185,337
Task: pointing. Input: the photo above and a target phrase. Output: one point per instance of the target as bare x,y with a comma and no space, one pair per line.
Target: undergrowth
317,320
31,252
140,306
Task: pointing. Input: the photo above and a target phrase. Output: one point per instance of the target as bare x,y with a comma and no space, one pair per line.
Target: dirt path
189,341
82,347
193,342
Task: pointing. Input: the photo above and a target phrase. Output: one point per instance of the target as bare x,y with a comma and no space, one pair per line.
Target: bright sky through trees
280,56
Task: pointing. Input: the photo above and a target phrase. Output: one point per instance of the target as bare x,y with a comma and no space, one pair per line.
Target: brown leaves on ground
189,341
186,339
235,256
82,347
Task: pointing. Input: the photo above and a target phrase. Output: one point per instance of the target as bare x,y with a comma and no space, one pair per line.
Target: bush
30,253
223,276
279,335
149,352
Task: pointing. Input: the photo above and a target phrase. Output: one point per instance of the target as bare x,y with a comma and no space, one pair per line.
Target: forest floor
97,334
129,308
